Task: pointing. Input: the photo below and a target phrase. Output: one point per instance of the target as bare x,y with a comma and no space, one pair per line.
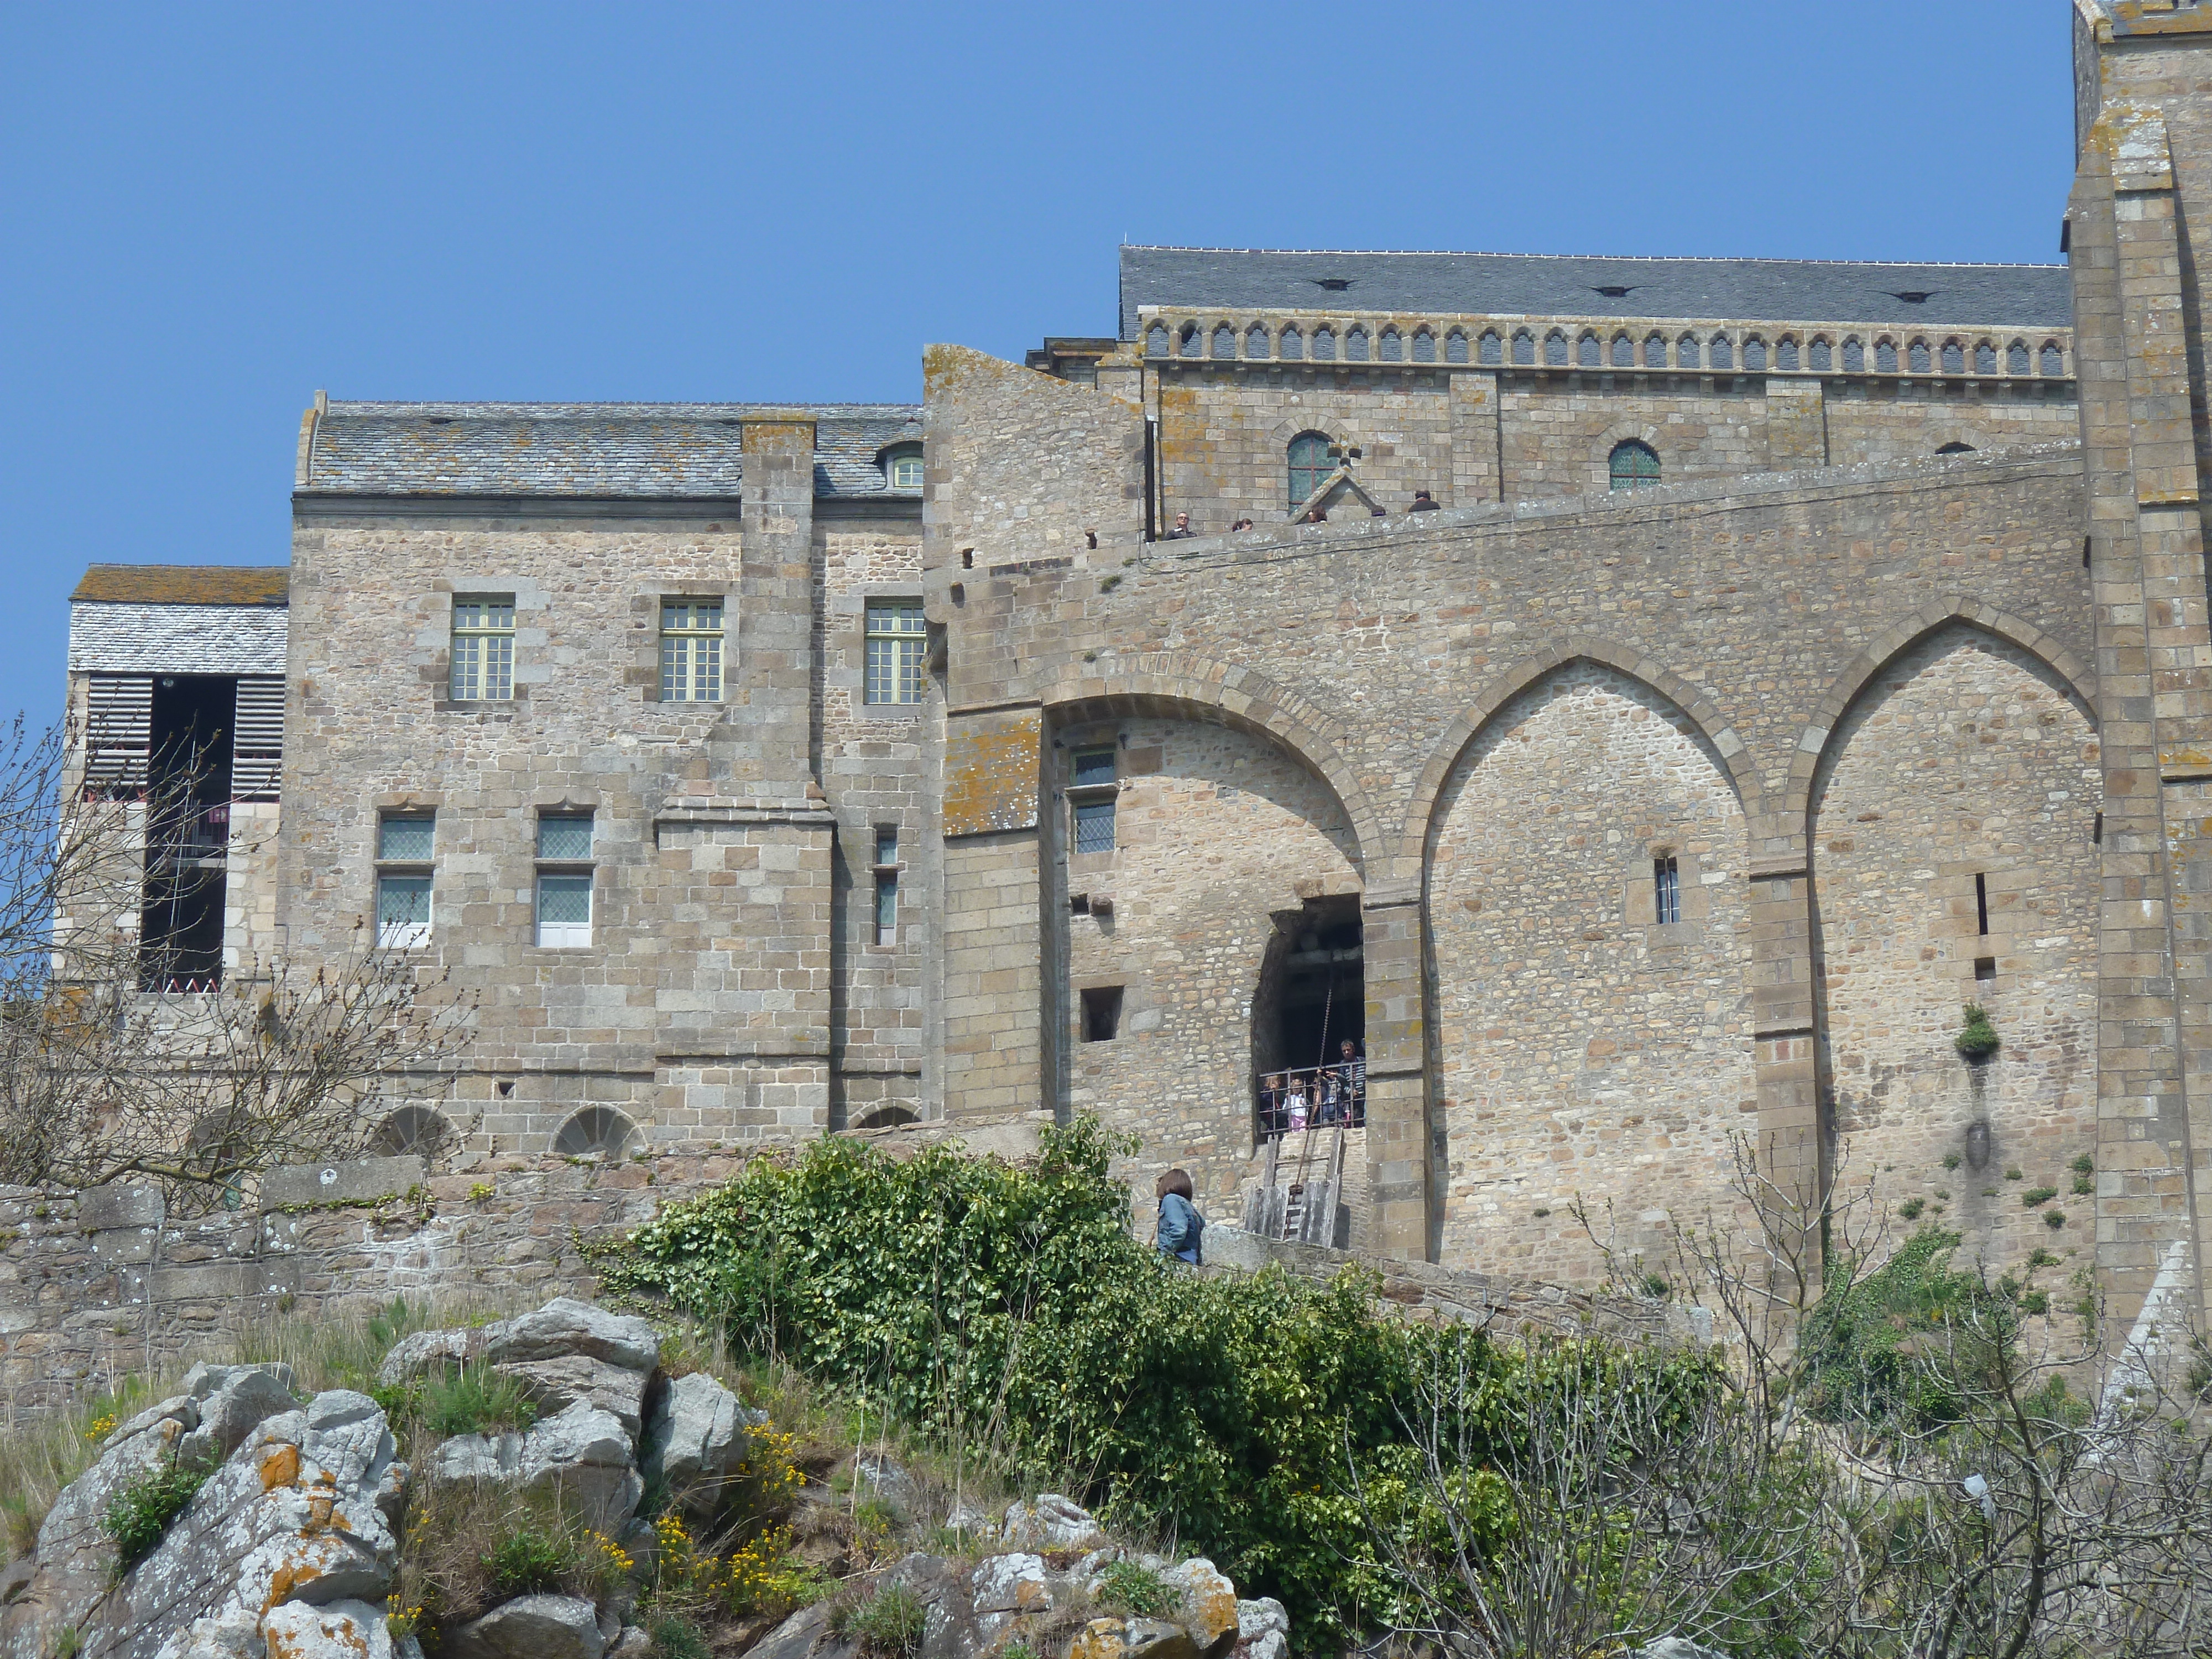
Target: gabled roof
593,450
184,584
1753,290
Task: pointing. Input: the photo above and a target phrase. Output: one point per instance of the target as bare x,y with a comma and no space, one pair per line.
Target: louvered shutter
257,758
118,724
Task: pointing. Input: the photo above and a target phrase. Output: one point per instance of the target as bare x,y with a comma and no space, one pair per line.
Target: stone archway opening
1311,996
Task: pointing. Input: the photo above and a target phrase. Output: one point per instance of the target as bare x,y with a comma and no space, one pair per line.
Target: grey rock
532,1627
234,1401
1675,1647
15,1578
346,1180
566,1326
555,1384
1208,1607
1263,1629
100,1208
1157,1639
889,1485
582,1452
421,1351
632,1643
1053,1523
795,1638
694,1436
341,1630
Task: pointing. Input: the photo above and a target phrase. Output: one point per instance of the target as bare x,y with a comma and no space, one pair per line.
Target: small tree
200,1093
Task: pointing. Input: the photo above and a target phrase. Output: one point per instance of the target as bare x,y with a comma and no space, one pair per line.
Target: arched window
1634,466
1291,343
1916,355
2016,358
1623,352
1823,355
1156,340
1654,351
1686,352
1424,347
1885,356
1854,356
421,1130
1985,358
1390,346
1754,353
1190,339
1310,463
1355,345
1225,341
1723,353
1255,341
1324,344
885,1117
1589,355
2053,363
595,1129
901,464
1524,347
1953,357
1555,348
1785,353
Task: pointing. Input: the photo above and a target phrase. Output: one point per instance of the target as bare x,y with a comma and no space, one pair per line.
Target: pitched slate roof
1752,290
614,449
185,584
169,638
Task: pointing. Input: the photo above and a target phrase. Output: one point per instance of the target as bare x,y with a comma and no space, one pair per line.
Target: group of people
1423,502
1293,1102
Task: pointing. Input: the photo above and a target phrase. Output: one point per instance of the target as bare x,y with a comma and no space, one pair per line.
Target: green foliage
996,1306
2035,1195
887,1624
1911,1207
1136,1590
1978,1039
141,1511
1952,1160
2083,1165
471,1399
677,1637
526,1561
2054,1219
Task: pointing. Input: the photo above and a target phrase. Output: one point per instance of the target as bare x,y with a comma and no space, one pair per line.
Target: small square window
1093,766
564,911
1094,826
1101,1013
405,838
906,472
564,836
402,912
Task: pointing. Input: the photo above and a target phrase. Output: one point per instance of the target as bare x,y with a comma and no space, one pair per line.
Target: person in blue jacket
1181,1223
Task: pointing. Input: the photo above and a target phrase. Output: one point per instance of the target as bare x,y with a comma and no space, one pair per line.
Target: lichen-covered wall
1589,1053
1964,758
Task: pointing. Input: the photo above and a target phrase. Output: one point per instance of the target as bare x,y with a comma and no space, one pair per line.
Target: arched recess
1952,821
1232,828
1589,972
2054,653
1410,857
1173,684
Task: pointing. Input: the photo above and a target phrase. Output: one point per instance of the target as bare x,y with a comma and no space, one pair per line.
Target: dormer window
902,466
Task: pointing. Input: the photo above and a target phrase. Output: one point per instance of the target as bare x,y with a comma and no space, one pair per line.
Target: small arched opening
599,1130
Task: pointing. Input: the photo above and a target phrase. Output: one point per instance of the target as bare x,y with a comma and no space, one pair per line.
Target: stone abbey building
1795,653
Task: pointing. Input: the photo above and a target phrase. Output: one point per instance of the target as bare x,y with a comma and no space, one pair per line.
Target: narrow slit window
1981,901
1666,889
483,649
887,906
1101,1013
896,633
690,651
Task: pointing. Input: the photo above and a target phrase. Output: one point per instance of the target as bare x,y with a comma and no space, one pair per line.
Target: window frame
886,868
1666,889
472,647
403,868
895,461
903,666
690,642
1633,477
562,870
1318,473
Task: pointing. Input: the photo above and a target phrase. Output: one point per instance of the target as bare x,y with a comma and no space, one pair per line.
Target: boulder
582,1452
696,1440
1208,1609
1132,1638
565,1325
1263,1629
889,1485
632,1643
1053,1523
422,1351
1675,1647
532,1627
796,1636
343,1630
233,1400
553,1385
565,1352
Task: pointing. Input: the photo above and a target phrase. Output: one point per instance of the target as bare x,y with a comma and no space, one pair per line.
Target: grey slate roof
108,638
1754,290
614,449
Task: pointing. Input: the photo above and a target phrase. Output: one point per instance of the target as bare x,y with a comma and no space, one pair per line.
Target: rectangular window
1093,766
1101,1013
690,651
887,906
1094,826
886,843
564,896
483,649
1666,889
404,846
896,634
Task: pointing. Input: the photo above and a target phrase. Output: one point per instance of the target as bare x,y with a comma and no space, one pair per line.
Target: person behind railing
1181,1226
1325,1105
1295,1107
1270,1106
1352,1082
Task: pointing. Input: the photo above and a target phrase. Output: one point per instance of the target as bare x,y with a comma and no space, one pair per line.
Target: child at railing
1294,1107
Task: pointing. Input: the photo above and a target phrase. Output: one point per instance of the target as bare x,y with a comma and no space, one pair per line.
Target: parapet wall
102,1283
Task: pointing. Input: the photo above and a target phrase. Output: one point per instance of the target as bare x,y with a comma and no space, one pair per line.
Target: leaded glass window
1309,464
690,650
483,649
895,636
1635,466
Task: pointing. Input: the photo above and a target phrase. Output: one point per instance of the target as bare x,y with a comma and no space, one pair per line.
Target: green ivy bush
1010,1308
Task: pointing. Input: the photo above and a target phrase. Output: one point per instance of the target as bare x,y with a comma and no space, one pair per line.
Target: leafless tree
107,1072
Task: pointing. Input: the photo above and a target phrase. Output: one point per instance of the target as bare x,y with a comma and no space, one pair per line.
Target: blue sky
210,211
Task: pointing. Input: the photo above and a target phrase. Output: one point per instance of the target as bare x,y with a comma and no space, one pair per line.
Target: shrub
471,1399
527,1561
1978,1039
1911,1207
887,1624
677,1637
2035,1195
1136,1590
141,1511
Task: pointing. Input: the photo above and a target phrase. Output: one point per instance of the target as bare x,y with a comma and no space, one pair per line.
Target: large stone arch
1408,857
1585,1044
1901,636
1174,683
1951,823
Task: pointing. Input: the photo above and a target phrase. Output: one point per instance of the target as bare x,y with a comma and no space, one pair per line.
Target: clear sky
211,210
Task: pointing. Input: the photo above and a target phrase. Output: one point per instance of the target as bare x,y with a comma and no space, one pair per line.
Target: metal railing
1296,1098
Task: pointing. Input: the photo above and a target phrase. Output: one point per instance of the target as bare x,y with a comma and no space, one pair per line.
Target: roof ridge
1618,259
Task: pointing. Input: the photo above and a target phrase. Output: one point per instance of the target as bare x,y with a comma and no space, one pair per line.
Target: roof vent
1333,284
1912,296
1613,291
439,420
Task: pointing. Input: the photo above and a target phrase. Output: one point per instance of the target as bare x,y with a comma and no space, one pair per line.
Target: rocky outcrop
583,1453
694,1441
533,1627
564,1352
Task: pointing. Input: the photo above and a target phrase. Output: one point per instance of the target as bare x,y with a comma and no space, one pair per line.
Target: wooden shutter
118,726
257,759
